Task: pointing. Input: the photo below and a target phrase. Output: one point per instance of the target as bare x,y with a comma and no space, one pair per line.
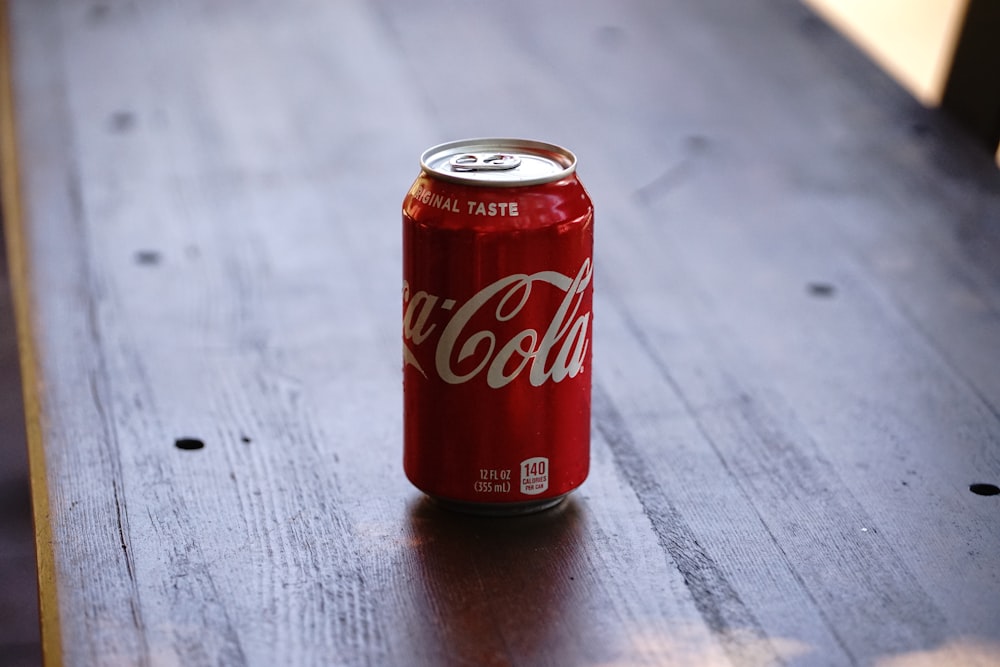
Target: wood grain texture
797,320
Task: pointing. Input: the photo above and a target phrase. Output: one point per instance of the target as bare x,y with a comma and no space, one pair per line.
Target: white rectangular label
534,475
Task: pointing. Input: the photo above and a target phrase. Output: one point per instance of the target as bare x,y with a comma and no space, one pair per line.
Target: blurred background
19,636
913,40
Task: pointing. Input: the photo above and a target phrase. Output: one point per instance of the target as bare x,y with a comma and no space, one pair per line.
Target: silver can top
498,162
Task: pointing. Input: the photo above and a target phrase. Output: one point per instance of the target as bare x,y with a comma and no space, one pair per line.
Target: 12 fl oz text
493,480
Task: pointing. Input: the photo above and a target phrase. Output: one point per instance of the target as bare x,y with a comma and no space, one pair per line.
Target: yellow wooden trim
18,263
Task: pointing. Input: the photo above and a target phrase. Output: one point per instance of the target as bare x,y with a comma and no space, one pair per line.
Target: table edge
19,271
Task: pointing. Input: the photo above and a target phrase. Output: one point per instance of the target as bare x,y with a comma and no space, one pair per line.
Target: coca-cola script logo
555,354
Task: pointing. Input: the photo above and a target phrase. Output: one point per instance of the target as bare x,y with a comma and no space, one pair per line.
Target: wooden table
796,347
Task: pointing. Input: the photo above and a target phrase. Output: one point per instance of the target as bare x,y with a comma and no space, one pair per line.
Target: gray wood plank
796,377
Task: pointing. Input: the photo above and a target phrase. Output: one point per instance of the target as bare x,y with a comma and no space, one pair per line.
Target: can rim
563,158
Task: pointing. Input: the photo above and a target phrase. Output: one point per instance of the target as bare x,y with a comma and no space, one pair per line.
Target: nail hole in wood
697,143
188,444
246,440
147,257
122,121
610,36
98,12
985,489
821,290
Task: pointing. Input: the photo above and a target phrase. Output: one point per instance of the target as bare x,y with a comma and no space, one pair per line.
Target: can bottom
499,509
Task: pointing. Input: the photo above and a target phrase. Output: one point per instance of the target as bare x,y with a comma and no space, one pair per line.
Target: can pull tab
484,162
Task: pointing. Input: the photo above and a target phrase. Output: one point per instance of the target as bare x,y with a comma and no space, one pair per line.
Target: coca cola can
497,293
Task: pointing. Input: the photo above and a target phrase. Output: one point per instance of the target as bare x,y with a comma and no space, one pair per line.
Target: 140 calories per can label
534,475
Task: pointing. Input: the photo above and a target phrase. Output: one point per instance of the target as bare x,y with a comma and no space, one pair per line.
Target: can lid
498,162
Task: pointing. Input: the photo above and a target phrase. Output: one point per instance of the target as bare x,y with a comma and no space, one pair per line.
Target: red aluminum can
497,293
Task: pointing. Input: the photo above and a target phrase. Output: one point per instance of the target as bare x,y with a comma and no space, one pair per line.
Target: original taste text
503,209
